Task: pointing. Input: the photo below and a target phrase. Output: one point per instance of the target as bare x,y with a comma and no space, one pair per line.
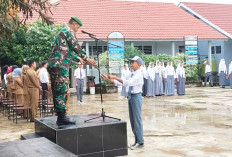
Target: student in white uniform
208,74
135,99
222,73
180,84
44,80
79,81
125,75
170,78
230,74
158,79
144,72
163,76
150,80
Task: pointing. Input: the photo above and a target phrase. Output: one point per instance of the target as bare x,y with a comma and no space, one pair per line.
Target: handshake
109,77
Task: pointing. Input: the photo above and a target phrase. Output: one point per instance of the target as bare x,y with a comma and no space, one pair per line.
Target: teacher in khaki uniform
33,88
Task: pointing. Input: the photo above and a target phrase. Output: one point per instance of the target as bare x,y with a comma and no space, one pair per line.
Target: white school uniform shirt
170,71
207,69
77,73
150,73
222,66
136,81
230,68
163,70
5,78
158,70
180,71
125,74
144,71
43,75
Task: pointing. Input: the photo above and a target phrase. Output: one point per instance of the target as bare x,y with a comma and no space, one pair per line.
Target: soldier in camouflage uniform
66,49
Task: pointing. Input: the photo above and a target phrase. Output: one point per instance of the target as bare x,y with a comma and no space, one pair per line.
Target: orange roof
135,20
218,14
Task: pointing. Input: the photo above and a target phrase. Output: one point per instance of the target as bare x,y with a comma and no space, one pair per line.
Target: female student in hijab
18,85
163,76
222,73
150,80
158,79
230,74
125,75
180,74
169,78
144,71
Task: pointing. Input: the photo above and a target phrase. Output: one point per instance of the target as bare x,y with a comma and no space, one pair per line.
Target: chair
45,106
6,102
19,107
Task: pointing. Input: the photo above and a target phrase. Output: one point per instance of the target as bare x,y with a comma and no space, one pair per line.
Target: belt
80,79
135,93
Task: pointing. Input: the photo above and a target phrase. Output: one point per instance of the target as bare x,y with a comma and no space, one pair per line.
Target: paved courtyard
198,124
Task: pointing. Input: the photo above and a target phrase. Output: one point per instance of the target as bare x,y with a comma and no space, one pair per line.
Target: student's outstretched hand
104,77
111,76
91,62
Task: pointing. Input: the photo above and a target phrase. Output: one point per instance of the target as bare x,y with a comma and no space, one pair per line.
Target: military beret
77,20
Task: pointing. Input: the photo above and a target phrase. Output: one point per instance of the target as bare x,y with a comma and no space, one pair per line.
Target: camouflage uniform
66,49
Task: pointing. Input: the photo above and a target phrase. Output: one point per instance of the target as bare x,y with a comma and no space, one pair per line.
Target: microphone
87,33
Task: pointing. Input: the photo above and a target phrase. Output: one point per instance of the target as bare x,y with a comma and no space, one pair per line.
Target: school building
155,28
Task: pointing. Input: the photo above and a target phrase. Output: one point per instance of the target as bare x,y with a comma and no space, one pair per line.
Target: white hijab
169,70
222,66
180,71
151,71
143,70
125,73
158,68
230,67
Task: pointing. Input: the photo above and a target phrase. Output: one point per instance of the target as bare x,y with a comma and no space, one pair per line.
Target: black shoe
81,101
65,121
62,119
211,85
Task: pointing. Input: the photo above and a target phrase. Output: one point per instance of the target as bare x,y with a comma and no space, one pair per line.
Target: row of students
158,79
223,73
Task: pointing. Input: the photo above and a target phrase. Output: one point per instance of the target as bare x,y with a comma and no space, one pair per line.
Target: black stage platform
37,147
91,139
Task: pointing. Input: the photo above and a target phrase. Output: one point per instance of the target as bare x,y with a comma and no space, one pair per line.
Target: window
147,50
181,49
216,50
139,47
212,50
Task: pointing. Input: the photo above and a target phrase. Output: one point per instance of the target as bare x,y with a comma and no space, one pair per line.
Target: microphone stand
103,114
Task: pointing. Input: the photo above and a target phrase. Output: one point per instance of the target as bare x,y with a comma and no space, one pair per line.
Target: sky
176,1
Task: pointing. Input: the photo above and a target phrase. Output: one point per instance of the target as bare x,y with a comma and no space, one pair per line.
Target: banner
191,49
116,52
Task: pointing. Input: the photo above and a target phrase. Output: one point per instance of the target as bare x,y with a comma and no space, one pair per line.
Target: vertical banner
116,52
191,49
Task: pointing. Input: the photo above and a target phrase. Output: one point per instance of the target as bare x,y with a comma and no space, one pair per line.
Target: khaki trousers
26,102
33,97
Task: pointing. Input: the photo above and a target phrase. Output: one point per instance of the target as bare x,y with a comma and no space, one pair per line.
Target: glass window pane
212,50
218,49
147,50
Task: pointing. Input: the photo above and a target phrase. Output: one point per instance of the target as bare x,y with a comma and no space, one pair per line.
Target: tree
34,42
10,9
11,51
40,40
131,51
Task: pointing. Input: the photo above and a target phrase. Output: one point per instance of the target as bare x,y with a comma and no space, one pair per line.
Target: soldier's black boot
62,119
